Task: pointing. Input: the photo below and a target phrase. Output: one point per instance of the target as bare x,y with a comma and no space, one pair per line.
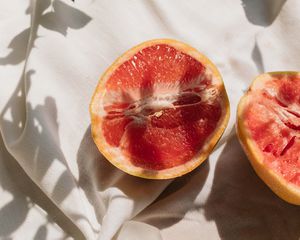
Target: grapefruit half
159,110
268,126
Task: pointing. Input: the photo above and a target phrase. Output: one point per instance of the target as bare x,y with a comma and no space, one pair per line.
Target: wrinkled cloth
54,183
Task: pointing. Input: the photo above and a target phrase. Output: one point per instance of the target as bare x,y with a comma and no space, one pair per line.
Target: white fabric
52,54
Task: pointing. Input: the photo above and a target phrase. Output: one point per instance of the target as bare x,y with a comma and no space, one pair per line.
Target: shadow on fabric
21,120
185,188
176,201
98,175
257,58
262,12
61,18
21,203
13,130
242,206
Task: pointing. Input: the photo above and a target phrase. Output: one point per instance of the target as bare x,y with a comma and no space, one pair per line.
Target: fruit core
273,118
160,107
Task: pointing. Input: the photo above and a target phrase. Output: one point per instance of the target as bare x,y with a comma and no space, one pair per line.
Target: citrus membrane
270,117
158,108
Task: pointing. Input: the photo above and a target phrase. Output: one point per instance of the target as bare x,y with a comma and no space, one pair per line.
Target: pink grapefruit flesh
269,130
161,106
273,119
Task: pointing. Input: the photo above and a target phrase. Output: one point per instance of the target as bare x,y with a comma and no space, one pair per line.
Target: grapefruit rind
281,187
114,155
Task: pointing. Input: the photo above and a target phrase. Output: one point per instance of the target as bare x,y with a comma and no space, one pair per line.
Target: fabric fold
51,57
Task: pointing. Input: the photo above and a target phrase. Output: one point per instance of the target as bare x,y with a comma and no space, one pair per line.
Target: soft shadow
19,120
61,18
13,115
18,204
257,58
262,12
91,163
242,206
41,234
105,187
167,210
18,48
97,174
22,201
190,120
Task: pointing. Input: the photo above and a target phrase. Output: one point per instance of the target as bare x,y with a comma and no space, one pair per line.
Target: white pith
163,97
115,155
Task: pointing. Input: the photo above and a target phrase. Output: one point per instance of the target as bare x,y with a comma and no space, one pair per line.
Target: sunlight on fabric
56,169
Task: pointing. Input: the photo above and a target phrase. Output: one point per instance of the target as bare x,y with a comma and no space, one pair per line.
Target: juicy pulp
273,119
160,106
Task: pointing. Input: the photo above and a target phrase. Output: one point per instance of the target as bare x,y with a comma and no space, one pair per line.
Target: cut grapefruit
159,109
268,126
